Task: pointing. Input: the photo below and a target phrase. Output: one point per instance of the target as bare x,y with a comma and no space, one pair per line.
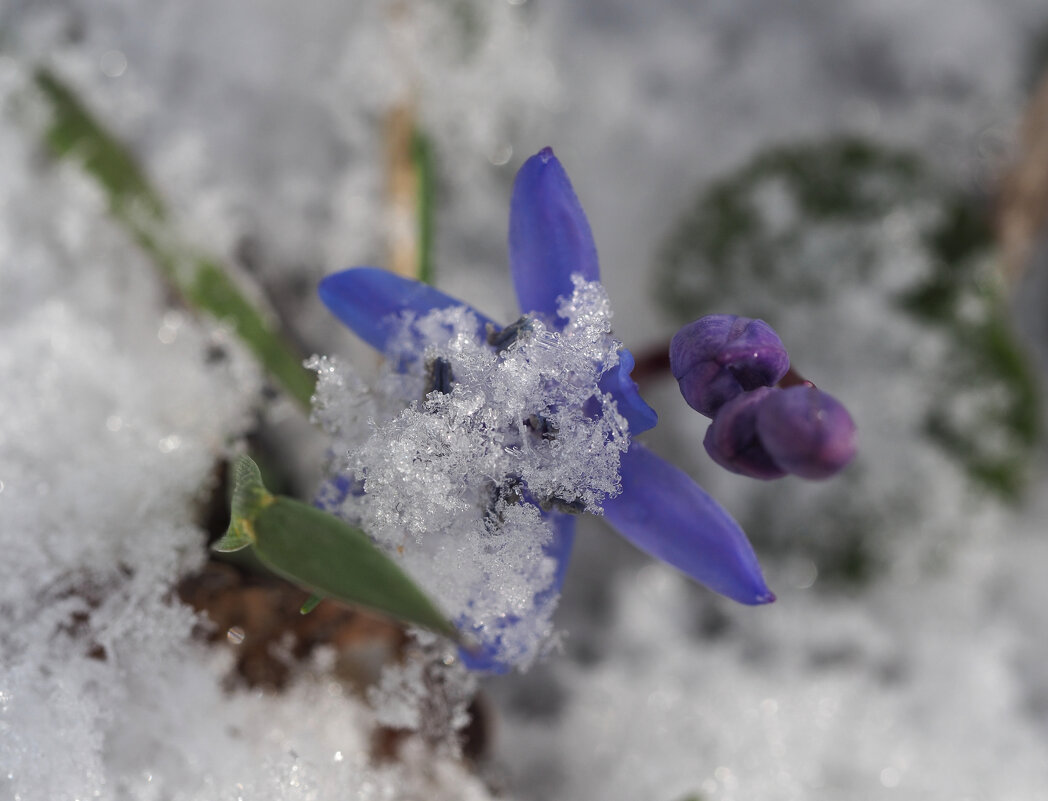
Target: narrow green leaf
211,289
323,554
331,558
74,133
311,603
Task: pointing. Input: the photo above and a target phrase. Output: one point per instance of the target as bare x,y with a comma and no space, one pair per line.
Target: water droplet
235,635
113,63
890,777
338,756
170,443
805,574
1,486
501,155
168,331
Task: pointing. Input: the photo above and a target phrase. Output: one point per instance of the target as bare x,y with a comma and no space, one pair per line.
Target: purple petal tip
766,598
549,237
806,431
663,512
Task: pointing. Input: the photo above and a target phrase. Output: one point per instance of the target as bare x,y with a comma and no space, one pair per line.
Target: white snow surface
115,411
262,125
892,693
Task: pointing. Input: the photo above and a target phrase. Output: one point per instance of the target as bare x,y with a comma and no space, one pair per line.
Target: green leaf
249,498
74,133
332,559
312,602
323,554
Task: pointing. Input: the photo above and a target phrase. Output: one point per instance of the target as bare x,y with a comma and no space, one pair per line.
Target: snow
262,126
444,471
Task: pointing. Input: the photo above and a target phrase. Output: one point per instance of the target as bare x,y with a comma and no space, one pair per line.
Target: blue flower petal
483,657
617,381
558,548
666,514
549,236
370,300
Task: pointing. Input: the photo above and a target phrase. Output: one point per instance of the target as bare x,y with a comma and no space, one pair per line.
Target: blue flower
659,509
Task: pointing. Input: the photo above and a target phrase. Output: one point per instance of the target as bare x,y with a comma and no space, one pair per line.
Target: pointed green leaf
311,603
249,497
323,554
236,538
331,558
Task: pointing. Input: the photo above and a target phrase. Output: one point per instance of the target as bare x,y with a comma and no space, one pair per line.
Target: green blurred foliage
726,243
789,233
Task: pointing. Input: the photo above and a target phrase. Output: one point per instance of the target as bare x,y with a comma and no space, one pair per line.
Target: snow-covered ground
262,126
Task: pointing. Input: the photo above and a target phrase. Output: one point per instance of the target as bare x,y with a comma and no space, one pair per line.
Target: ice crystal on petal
452,475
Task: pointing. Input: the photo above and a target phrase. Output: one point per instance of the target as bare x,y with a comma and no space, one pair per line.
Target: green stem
422,155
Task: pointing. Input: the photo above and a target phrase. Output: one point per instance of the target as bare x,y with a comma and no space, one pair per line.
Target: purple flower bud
732,440
806,431
720,356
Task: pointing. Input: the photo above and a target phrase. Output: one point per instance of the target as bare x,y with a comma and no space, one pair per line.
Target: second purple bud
806,431
720,356
769,432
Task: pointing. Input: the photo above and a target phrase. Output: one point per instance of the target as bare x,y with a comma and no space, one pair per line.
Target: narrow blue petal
370,300
549,236
666,514
617,381
483,657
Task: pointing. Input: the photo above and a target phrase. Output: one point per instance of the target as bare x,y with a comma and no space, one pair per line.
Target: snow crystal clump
456,455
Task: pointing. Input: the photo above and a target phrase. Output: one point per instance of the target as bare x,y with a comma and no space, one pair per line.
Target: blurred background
871,178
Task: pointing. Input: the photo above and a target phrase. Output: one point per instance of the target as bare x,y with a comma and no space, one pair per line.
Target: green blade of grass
73,133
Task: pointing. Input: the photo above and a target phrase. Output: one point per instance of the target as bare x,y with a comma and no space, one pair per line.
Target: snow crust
262,126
